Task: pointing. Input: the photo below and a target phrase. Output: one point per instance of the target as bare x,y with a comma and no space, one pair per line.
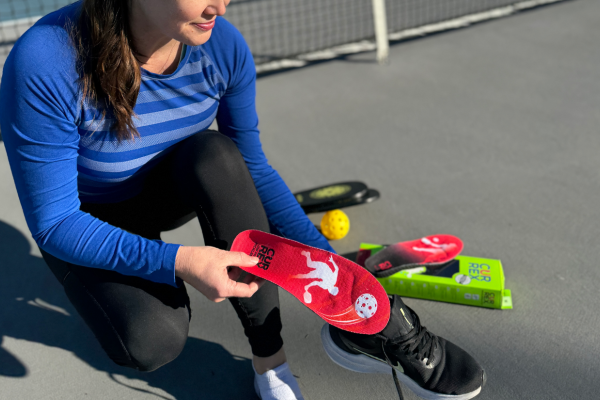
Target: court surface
488,133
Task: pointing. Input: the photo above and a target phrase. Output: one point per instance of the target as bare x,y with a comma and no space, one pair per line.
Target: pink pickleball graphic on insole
366,306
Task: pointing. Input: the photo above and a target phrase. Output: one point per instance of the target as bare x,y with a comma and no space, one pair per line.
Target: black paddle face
370,196
324,195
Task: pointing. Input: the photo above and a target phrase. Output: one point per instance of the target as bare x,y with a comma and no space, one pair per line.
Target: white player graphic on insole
436,247
326,277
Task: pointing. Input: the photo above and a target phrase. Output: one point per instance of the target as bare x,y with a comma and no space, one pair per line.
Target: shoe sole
256,389
368,365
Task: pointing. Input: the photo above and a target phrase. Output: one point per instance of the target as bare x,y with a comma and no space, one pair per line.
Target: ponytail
109,73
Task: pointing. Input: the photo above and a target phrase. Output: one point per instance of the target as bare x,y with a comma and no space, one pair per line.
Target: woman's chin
196,38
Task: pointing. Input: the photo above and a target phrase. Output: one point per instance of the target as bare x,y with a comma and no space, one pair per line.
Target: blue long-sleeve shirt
61,152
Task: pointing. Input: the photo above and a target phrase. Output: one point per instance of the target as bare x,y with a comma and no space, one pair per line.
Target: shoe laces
419,341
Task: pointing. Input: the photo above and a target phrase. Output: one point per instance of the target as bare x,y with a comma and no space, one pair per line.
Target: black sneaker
429,365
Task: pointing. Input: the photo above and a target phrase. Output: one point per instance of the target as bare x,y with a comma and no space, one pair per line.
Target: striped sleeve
39,99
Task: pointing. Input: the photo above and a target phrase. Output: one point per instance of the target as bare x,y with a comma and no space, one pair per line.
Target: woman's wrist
182,261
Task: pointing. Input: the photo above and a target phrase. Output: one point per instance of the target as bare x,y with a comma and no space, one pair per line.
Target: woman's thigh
210,176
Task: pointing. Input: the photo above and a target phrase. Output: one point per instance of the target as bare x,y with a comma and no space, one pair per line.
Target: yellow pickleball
335,224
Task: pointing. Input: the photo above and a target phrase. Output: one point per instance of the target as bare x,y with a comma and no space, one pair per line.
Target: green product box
465,280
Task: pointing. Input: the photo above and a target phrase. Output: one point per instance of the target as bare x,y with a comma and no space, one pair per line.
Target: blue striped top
169,109
62,153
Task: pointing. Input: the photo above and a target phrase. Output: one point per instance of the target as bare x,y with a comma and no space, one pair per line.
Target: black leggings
143,324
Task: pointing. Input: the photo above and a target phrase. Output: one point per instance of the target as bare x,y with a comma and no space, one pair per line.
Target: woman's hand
214,272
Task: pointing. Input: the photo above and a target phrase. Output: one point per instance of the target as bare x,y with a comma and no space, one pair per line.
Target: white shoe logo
326,278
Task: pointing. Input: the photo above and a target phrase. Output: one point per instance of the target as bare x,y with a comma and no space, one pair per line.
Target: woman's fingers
241,289
239,275
231,288
259,281
215,273
234,273
253,278
240,259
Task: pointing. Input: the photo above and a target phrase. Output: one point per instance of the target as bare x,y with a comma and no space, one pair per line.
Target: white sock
277,384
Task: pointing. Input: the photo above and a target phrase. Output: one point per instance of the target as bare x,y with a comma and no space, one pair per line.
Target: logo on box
480,272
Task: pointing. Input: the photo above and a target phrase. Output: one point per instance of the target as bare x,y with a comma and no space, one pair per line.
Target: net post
383,46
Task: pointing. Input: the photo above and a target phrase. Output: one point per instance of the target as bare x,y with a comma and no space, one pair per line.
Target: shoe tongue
401,320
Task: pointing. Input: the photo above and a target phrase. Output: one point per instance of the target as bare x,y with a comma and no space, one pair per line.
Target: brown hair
109,73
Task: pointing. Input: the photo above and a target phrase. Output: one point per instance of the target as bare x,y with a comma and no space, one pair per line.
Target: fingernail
255,260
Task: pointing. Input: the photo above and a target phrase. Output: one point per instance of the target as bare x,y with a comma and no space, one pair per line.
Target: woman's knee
147,356
209,164
153,340
138,331
152,350
211,176
210,154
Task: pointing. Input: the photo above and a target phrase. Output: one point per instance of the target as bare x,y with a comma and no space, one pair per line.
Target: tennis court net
287,33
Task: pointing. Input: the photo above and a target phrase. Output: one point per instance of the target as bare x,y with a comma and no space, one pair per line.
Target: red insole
338,290
429,250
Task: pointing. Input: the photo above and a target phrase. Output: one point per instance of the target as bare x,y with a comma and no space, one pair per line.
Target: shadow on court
33,307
